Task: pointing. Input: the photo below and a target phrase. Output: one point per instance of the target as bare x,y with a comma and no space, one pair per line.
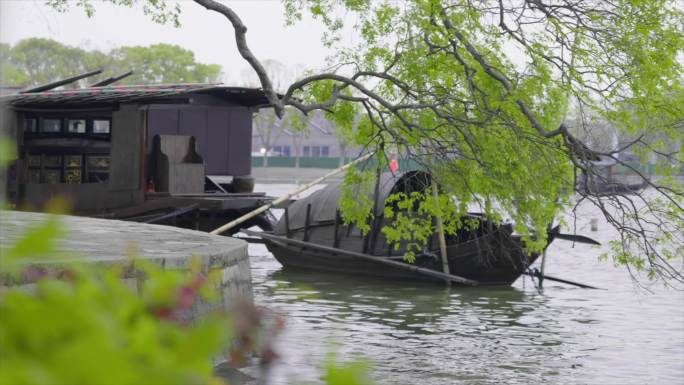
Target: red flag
394,165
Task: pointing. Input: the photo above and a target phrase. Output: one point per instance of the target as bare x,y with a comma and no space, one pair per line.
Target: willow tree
480,92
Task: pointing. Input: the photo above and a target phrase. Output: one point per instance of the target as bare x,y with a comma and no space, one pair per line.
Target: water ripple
430,334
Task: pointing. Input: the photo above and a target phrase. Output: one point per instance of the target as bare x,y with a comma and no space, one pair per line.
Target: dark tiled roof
138,93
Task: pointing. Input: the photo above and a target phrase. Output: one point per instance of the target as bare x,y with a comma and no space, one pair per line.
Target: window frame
36,125
41,127
86,169
92,126
40,146
85,126
64,129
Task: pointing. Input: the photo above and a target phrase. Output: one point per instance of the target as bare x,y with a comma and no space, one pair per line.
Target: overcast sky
206,33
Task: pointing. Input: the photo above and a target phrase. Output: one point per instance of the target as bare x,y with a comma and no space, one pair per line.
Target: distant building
9,90
630,167
318,140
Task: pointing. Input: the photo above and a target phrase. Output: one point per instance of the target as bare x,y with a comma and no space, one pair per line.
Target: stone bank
110,242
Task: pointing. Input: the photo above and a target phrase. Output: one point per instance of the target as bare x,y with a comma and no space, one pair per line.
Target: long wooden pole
385,261
550,278
369,241
440,232
543,266
285,197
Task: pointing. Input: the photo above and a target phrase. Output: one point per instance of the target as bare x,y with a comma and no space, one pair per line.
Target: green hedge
287,161
319,162
273,161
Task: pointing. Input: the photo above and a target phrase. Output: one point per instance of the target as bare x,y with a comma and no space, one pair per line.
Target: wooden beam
332,250
285,197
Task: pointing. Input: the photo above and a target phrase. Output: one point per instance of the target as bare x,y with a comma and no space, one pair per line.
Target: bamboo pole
384,261
306,222
285,197
543,266
336,237
582,285
369,242
543,258
440,232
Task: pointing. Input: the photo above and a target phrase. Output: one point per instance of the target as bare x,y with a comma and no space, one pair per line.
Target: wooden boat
611,188
311,235
603,179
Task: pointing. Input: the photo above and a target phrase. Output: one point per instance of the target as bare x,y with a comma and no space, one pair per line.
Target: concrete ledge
102,240
111,242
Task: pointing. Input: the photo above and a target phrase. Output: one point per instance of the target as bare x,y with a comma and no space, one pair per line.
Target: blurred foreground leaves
75,323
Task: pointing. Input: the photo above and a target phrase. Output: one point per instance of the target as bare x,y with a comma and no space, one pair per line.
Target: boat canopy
325,202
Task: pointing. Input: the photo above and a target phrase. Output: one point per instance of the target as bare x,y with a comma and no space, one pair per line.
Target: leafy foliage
8,151
355,202
9,73
479,93
82,325
160,11
41,60
37,61
162,63
78,323
349,373
73,323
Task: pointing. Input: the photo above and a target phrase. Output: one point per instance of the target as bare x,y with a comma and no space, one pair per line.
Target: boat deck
208,202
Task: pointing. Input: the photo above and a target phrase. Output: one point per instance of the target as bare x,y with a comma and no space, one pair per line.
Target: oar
555,233
576,238
175,213
285,197
332,250
258,241
544,276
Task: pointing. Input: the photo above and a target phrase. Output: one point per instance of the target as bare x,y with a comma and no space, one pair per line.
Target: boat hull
498,259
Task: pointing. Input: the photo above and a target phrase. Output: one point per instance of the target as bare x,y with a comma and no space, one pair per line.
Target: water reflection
405,307
426,332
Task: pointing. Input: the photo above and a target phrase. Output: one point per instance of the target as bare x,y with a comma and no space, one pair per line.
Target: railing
644,168
406,164
320,162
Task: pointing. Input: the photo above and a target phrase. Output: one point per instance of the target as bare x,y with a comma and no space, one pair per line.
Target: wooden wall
223,133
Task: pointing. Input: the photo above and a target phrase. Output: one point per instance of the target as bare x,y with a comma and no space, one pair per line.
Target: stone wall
113,243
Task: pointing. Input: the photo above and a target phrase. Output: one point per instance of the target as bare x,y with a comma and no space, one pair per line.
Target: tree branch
245,52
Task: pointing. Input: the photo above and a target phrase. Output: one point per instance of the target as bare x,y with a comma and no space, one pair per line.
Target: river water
429,334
